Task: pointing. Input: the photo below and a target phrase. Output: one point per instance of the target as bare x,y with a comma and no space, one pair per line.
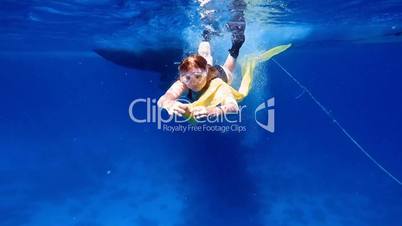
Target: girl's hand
200,112
203,112
177,108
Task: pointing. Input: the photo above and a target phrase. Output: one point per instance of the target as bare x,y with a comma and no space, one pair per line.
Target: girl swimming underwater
196,72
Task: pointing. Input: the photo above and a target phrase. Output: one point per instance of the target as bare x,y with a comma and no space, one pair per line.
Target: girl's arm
229,104
228,107
169,101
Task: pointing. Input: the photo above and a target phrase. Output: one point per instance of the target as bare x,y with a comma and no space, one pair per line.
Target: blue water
71,155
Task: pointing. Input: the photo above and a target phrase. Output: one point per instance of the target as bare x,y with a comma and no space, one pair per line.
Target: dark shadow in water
163,61
221,190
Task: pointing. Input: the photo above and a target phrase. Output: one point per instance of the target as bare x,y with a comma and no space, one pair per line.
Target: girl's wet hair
197,61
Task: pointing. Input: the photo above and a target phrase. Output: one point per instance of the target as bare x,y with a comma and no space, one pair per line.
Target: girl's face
195,79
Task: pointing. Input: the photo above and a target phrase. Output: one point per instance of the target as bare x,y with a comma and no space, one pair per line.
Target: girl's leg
237,26
229,67
204,49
